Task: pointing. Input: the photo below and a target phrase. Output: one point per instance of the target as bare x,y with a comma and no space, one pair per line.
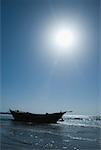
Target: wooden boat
36,118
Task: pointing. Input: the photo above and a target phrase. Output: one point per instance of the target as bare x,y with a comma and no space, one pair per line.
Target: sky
39,76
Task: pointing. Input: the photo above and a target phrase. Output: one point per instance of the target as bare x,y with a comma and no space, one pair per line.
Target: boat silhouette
37,118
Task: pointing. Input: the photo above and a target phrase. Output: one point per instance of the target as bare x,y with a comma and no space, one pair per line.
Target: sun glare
64,38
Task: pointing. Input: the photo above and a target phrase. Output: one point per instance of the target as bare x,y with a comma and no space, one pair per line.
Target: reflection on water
26,136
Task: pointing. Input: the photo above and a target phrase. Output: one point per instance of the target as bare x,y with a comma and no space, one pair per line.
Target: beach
72,134
50,64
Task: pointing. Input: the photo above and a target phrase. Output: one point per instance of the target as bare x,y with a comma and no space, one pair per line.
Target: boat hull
36,118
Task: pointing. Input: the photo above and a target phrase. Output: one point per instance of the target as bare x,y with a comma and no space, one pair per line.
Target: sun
64,38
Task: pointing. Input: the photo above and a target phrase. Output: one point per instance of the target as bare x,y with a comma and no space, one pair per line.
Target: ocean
74,133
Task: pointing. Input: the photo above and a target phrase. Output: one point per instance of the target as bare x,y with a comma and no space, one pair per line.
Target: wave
82,117
81,120
76,120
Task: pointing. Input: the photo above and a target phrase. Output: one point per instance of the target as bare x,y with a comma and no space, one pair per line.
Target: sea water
75,133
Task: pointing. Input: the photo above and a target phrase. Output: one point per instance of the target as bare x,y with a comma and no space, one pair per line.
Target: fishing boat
36,118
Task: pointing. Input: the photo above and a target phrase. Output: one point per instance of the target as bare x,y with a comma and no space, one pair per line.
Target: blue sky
33,77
